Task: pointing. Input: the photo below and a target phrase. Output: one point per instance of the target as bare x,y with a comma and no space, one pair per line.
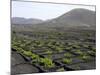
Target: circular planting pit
68,61
53,69
54,56
16,58
82,66
24,69
38,51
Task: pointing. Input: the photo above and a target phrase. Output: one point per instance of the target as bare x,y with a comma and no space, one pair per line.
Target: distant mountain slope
75,17
19,20
81,15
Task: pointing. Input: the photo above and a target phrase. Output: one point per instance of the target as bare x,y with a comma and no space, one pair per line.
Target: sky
42,11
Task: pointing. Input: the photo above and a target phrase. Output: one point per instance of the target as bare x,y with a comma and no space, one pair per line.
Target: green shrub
47,63
68,48
68,55
85,57
48,52
85,46
34,56
67,60
92,53
59,49
79,52
27,53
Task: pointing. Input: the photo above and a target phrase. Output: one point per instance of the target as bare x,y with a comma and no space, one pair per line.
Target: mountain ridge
20,20
79,18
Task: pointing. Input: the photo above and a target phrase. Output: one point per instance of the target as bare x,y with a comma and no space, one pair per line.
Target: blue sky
42,11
